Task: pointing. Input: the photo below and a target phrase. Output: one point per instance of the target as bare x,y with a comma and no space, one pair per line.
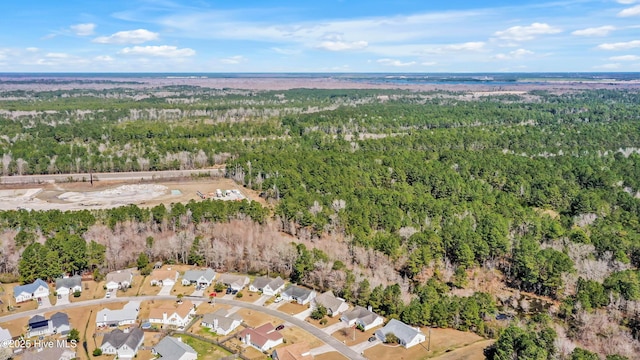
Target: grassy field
90,290
292,308
255,319
442,341
346,335
474,351
294,335
143,286
6,296
334,355
330,321
248,296
205,350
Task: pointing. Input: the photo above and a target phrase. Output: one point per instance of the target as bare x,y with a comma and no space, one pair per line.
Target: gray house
221,321
362,317
69,285
236,282
267,285
407,336
333,304
299,294
122,344
60,322
202,277
171,348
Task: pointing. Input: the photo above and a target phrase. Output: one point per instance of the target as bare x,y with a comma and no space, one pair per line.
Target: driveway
303,315
263,299
198,293
166,290
335,327
360,348
44,303
63,300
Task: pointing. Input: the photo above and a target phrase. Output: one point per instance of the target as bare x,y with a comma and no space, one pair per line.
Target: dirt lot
292,308
109,194
442,341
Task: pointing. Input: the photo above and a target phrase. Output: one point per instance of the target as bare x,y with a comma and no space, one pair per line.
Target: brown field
254,319
136,286
334,355
90,290
206,308
292,308
144,286
330,321
442,341
474,351
6,297
346,335
248,296
294,335
249,351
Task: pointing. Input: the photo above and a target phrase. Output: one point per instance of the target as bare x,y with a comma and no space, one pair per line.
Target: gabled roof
233,279
299,351
36,319
117,338
401,330
58,319
119,276
4,335
195,275
329,301
69,282
263,281
182,310
29,288
367,317
161,275
171,348
49,353
224,318
297,292
128,312
262,334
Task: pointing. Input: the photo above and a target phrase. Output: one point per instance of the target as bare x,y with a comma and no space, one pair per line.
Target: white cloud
286,51
159,51
234,60
392,62
32,49
342,45
632,11
594,31
523,33
462,47
515,54
625,58
138,36
620,45
627,2
428,63
103,58
83,29
611,66
57,55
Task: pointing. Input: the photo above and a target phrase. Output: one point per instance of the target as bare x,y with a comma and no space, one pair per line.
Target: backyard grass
205,350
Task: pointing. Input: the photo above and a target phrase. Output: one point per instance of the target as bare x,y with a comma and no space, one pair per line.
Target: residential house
202,277
360,316
235,282
68,285
262,338
407,335
221,321
177,315
120,279
299,294
50,353
164,277
299,351
122,344
4,335
334,305
39,326
267,285
171,348
60,323
36,289
125,316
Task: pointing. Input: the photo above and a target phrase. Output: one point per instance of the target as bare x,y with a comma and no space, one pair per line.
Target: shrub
318,313
239,295
77,293
97,352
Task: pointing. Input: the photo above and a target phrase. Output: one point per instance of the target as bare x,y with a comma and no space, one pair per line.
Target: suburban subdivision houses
262,338
122,344
171,348
41,326
125,316
221,322
299,294
36,289
164,277
203,277
68,285
235,282
4,335
267,285
360,316
120,279
333,304
407,336
299,351
177,315
52,353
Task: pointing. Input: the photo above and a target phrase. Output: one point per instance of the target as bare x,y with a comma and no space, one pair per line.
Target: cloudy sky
319,36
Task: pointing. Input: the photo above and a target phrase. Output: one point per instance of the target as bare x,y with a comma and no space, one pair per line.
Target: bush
97,352
239,295
219,287
319,313
77,294
391,338
324,322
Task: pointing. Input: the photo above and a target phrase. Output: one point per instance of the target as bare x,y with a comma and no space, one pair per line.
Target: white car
108,295
278,299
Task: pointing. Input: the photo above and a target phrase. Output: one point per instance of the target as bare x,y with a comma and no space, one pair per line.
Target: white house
202,277
122,344
125,316
267,285
360,316
171,348
407,336
172,315
235,282
221,322
50,353
36,289
297,351
39,326
262,338
68,285
334,305
120,279
4,335
164,277
299,294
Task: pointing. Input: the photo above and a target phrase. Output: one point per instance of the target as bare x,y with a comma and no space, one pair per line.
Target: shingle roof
161,275
225,320
4,334
262,282
366,316
182,310
299,351
171,348
29,288
69,282
58,319
194,275
117,338
329,301
231,279
128,312
401,330
262,334
36,319
119,276
297,292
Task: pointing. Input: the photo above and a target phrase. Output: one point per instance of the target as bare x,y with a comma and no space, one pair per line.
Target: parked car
280,327
234,292
372,339
278,299
108,295
228,291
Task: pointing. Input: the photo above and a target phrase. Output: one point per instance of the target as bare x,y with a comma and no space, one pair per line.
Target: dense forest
438,208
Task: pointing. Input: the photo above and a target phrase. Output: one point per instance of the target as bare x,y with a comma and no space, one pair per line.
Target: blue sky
319,36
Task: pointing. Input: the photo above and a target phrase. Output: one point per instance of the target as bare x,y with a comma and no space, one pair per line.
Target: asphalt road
115,176
326,338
